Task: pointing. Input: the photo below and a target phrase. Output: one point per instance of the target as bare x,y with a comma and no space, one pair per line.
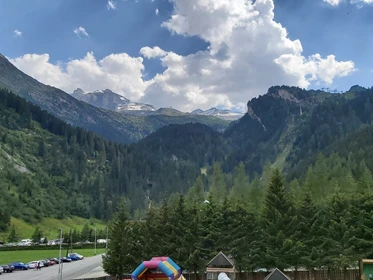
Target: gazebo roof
277,275
221,260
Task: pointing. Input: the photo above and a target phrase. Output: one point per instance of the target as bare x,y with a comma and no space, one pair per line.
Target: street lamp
107,235
95,242
60,257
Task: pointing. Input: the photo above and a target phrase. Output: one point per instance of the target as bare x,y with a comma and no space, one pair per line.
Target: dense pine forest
281,231
320,141
51,169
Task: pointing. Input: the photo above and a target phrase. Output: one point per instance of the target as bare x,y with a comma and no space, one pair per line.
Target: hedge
51,247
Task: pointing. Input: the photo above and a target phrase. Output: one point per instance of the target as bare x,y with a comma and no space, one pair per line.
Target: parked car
55,260
7,268
32,265
64,259
1,270
75,255
19,265
46,263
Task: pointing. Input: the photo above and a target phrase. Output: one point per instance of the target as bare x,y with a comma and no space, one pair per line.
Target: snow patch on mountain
223,114
110,100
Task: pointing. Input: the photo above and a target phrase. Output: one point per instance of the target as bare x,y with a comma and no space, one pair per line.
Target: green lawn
33,255
50,226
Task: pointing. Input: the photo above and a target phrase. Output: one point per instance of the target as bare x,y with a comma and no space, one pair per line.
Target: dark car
7,268
55,260
19,265
46,263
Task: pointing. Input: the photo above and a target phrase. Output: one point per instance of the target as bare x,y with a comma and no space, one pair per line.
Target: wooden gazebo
276,274
220,263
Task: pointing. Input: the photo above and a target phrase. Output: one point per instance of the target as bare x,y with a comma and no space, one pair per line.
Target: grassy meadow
33,255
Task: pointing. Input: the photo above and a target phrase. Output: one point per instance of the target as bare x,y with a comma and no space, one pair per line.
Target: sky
190,54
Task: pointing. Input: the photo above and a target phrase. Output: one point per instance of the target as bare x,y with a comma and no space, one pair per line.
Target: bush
50,247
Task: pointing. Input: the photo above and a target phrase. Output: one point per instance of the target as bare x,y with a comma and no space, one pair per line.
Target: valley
310,150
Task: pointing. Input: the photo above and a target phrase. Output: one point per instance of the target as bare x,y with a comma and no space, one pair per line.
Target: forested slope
51,169
320,141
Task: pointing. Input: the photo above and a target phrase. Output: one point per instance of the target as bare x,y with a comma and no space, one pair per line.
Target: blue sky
47,27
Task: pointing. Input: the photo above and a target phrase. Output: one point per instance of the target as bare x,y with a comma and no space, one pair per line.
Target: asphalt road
70,270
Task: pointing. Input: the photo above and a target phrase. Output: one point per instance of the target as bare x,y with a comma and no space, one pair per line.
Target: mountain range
321,141
123,128
109,100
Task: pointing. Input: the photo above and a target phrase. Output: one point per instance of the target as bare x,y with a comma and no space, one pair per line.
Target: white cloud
249,52
157,11
359,3
152,52
80,31
111,5
333,2
17,33
119,72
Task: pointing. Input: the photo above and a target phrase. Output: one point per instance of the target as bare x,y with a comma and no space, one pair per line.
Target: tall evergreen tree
37,235
196,194
218,187
241,186
4,213
277,223
12,237
123,244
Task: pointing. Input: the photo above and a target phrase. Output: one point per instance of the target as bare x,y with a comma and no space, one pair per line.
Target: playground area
158,268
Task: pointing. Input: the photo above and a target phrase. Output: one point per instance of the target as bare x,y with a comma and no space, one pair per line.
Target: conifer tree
37,235
12,235
278,223
121,258
218,187
196,194
241,186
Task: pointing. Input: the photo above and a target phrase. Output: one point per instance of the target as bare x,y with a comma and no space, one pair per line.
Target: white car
1,269
34,264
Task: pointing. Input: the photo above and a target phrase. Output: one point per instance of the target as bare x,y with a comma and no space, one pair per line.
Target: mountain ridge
110,124
109,100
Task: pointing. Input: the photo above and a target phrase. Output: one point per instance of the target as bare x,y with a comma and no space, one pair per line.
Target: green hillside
51,169
50,226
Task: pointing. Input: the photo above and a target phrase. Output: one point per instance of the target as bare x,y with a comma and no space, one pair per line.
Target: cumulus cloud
17,33
111,5
157,11
152,52
80,32
248,52
118,72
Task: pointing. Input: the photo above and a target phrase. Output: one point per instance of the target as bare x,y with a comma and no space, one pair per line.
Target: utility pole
107,235
60,258
95,242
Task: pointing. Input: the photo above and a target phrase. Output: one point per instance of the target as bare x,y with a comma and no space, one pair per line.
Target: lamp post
107,236
95,242
60,258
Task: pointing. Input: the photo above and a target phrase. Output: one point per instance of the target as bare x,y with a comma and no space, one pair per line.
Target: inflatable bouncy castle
158,268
